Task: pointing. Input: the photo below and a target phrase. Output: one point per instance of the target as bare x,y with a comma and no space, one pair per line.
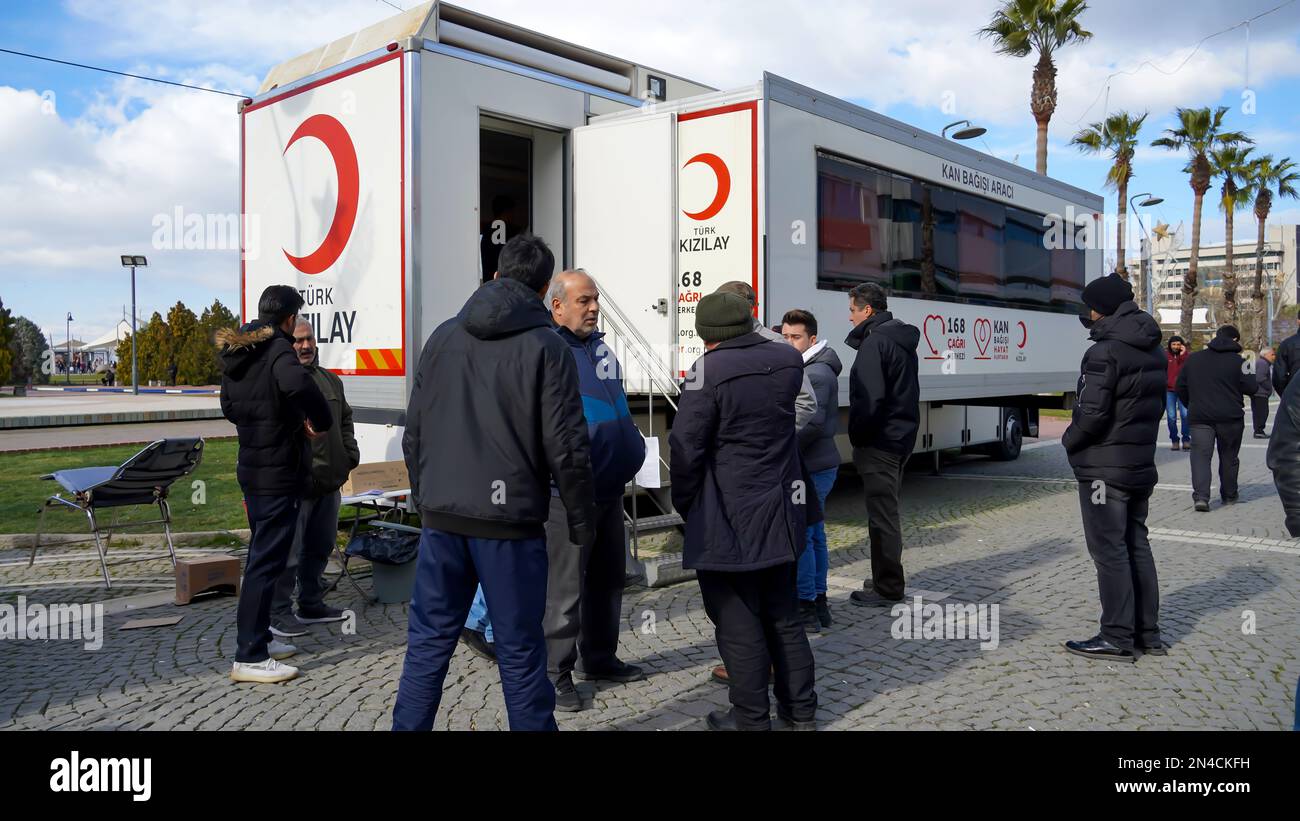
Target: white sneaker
280,649
263,672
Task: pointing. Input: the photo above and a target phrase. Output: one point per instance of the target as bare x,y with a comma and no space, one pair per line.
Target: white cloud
75,193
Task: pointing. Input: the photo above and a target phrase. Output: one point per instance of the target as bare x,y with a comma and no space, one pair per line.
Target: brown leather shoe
720,674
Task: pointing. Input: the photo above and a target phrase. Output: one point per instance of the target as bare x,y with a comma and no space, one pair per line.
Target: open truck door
625,218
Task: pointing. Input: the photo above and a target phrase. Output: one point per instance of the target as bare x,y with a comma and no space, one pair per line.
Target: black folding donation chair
144,479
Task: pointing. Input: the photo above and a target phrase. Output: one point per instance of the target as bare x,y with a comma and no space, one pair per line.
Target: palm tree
1266,178
1199,131
1023,27
1232,163
1117,135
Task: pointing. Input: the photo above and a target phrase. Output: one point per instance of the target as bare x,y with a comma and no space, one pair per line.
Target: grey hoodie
817,439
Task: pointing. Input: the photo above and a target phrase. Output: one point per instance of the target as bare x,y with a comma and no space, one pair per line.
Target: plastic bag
384,546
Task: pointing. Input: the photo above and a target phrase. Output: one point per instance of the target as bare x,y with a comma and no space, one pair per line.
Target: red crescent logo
335,137
1024,334
724,185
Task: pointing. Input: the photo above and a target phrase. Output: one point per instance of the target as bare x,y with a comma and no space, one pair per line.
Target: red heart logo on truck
983,333
925,329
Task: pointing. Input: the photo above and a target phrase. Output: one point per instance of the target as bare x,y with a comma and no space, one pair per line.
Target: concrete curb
116,418
15,541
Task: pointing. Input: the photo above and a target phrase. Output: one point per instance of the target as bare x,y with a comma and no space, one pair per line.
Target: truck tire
1008,450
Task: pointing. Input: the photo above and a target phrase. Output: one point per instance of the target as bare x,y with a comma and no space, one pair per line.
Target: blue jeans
513,573
478,615
1172,407
815,561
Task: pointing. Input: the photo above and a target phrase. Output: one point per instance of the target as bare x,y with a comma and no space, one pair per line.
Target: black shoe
871,598
318,614
808,616
1229,500
1100,649
1202,507
824,611
287,627
723,721
618,671
567,697
478,643
785,722
1154,649
1261,435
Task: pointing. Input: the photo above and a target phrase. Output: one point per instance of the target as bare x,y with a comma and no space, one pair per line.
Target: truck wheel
1008,449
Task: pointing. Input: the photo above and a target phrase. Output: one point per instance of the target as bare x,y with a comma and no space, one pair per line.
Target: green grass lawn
22,491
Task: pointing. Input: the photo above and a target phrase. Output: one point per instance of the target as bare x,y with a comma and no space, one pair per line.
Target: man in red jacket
1176,353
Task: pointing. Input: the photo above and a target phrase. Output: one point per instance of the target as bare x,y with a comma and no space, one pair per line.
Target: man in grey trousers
333,457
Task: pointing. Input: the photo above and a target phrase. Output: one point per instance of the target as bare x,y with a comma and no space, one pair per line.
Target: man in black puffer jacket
884,414
1212,385
494,415
276,408
1284,455
1111,444
1286,364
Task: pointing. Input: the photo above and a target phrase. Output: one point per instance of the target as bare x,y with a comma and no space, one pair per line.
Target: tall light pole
131,262
67,361
1144,264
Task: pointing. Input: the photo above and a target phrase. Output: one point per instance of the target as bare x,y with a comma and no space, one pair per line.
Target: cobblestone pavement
983,533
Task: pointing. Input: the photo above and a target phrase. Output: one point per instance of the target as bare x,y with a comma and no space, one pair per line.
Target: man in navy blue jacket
737,480
584,594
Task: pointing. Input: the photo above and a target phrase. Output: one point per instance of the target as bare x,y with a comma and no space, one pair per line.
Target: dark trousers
273,521
513,575
755,617
882,479
1259,412
1115,528
584,592
318,528
1288,490
1227,436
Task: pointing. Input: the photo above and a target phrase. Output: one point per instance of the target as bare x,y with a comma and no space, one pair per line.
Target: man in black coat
1287,363
737,481
1111,444
1284,455
276,409
494,415
884,414
1212,385
1259,401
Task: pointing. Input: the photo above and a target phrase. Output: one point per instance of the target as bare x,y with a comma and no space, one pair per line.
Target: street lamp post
67,360
1144,265
131,262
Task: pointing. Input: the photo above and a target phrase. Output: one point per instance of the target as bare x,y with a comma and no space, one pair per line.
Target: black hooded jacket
267,393
1287,363
884,390
494,414
1121,398
1213,382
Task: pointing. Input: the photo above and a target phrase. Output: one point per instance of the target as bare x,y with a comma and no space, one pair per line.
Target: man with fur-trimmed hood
276,408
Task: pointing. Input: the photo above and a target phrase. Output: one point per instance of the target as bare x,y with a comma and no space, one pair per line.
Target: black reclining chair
144,479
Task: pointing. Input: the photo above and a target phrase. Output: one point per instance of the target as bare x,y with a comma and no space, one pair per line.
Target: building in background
1170,253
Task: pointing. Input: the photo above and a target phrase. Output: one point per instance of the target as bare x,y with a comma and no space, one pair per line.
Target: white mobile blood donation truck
380,174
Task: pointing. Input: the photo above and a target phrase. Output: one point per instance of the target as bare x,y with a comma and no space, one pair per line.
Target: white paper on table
648,475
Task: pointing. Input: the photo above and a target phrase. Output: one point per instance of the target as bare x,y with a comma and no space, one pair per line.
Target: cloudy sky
90,160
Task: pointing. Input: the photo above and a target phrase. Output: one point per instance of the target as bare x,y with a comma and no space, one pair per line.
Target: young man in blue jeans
820,458
1175,356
